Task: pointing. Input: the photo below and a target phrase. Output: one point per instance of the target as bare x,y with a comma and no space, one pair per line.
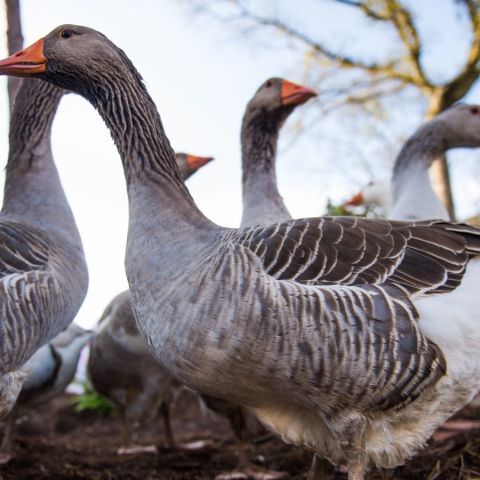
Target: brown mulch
56,442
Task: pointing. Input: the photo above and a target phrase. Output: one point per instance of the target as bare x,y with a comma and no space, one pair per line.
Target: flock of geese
353,338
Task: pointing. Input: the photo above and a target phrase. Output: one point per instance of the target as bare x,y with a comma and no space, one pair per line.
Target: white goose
354,338
412,195
49,372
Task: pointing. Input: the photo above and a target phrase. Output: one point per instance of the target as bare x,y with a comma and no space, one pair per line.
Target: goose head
70,56
461,125
275,100
374,193
189,163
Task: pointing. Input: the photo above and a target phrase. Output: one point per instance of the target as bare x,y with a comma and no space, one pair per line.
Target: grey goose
120,365
43,271
49,372
351,337
264,116
412,195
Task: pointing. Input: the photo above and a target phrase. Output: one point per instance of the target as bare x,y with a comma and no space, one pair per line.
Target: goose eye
269,83
66,33
474,110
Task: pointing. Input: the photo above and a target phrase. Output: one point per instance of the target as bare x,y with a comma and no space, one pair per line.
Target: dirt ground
56,442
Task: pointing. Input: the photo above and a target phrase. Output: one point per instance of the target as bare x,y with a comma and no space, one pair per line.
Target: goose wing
340,290
429,256
22,249
26,285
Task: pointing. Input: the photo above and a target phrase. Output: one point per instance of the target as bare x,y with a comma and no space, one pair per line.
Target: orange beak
25,62
293,94
356,200
195,162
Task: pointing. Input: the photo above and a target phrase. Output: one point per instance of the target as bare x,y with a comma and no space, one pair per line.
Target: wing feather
347,283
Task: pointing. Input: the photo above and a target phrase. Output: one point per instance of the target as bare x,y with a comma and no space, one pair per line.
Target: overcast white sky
201,74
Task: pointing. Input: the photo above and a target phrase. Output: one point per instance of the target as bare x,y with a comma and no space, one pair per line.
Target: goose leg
6,452
167,422
452,428
245,470
354,447
128,448
320,469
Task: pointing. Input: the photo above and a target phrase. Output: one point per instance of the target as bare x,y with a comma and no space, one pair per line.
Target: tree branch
407,31
382,16
388,69
459,86
15,43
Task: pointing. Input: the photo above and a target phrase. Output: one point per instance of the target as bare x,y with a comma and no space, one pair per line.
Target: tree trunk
15,42
440,178
439,172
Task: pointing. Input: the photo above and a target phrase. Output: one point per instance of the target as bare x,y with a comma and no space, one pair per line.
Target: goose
376,193
43,271
49,371
120,366
350,337
412,194
266,112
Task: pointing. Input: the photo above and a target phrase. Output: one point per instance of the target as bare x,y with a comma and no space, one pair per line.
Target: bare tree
15,42
374,80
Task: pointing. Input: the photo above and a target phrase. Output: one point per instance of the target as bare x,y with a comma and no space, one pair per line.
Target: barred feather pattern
347,345
40,290
422,257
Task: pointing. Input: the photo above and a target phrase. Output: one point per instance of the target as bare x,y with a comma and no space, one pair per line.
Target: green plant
91,400
370,211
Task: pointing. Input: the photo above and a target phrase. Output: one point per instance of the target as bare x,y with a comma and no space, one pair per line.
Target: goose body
43,271
412,195
351,337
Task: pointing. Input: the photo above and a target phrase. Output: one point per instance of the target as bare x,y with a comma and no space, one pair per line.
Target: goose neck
33,190
151,171
259,139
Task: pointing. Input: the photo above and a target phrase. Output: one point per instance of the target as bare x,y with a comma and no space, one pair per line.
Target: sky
201,73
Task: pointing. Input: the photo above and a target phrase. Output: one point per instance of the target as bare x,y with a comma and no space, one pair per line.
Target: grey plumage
336,332
43,271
